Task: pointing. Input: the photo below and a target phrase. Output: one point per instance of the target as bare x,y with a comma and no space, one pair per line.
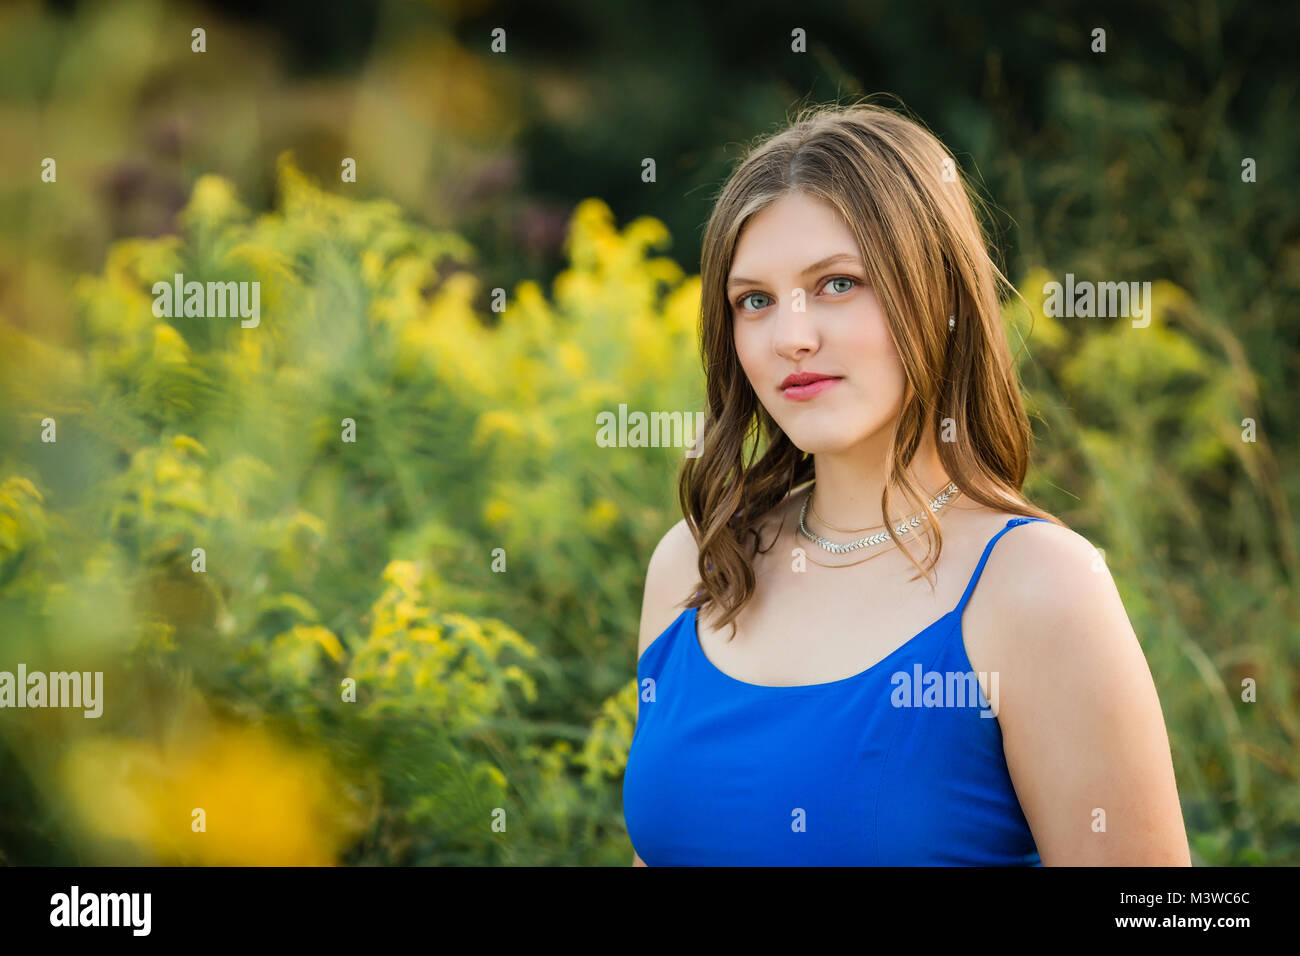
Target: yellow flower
497,422
405,574
186,443
572,359
496,512
372,266
322,636
600,515
168,346
213,202
1045,330
261,802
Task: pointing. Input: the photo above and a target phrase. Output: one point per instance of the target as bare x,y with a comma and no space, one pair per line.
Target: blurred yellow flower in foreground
601,515
263,803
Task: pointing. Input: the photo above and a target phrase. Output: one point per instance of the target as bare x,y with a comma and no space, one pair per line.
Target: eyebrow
820,264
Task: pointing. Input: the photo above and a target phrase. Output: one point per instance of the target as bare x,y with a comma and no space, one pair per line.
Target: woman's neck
849,485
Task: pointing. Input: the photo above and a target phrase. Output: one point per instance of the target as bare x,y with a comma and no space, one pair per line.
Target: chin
822,441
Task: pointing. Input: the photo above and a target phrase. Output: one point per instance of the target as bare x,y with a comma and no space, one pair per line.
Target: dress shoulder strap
988,549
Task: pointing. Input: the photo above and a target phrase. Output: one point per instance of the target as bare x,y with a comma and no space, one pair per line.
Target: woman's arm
1082,729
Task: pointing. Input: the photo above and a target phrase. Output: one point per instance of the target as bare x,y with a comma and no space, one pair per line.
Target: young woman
864,708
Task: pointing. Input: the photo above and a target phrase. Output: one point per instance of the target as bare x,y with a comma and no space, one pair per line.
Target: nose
794,333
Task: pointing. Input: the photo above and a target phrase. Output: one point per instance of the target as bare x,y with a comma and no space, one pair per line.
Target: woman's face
841,330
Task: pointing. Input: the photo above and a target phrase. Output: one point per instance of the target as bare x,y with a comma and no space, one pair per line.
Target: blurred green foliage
486,696
473,494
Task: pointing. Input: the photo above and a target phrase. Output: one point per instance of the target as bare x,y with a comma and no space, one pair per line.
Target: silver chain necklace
834,547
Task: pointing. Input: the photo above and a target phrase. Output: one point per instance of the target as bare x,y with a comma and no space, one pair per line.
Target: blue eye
740,302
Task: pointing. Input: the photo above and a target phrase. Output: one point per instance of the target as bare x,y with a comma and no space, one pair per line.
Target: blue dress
898,765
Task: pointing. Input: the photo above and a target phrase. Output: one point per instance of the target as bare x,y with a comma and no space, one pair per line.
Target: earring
952,323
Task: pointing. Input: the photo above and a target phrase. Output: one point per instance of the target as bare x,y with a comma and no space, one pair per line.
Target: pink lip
801,393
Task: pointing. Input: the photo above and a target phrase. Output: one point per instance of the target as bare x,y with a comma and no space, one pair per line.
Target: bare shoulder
673,570
1046,612
670,577
1035,555
1082,729
1041,570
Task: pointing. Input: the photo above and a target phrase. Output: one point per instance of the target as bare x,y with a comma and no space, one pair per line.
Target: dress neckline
698,646
779,688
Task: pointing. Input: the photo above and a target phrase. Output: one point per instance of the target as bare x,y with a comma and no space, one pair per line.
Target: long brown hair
910,210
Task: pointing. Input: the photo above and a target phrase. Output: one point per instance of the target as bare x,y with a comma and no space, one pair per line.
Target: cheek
871,344
872,328
747,352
